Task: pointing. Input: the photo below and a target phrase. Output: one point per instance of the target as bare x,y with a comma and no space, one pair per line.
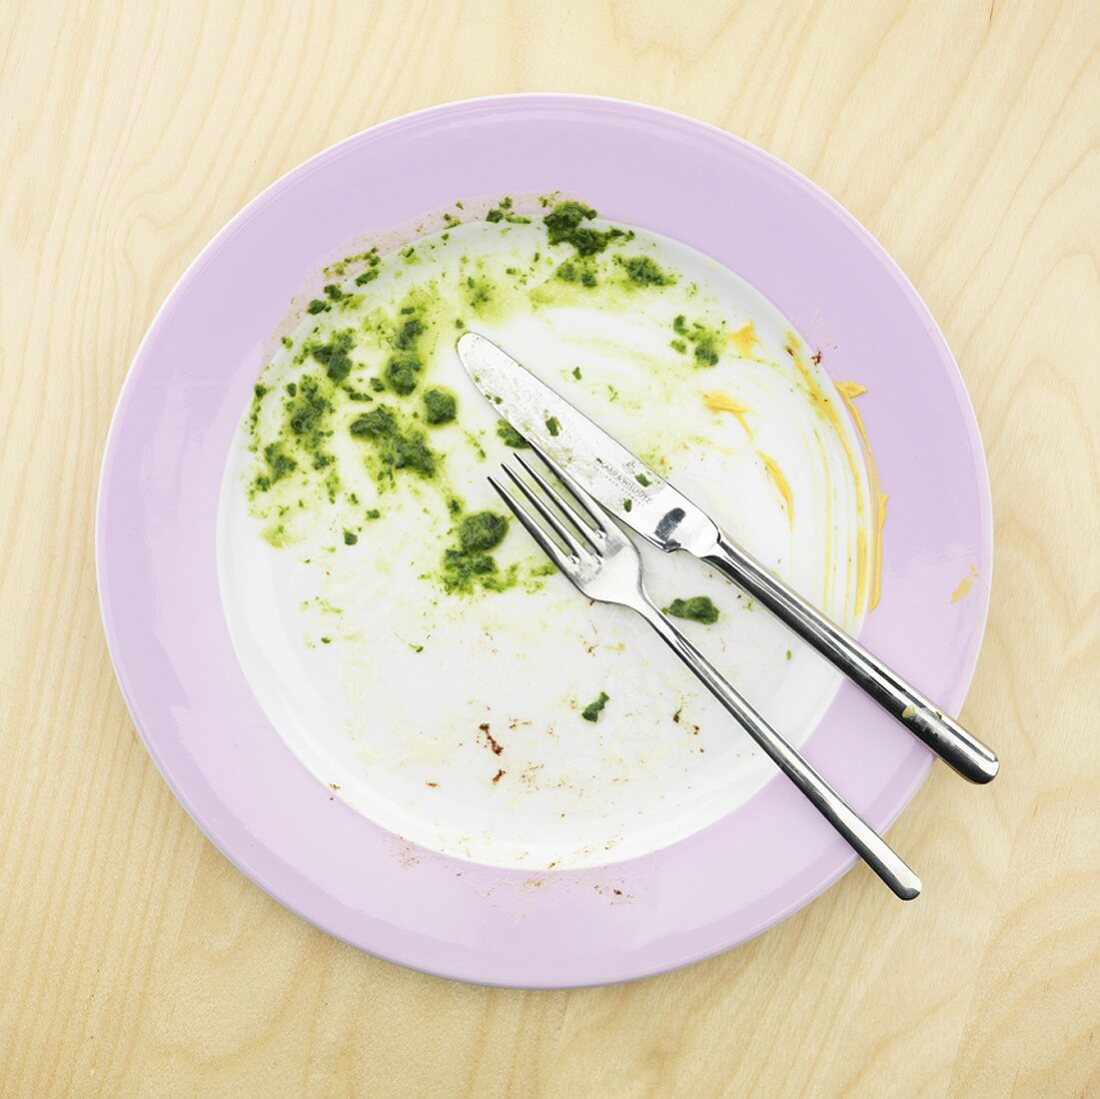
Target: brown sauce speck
496,746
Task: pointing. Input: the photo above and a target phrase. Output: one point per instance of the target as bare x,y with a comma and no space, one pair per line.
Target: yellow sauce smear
868,559
964,584
880,521
849,391
780,481
744,340
720,401
828,410
827,587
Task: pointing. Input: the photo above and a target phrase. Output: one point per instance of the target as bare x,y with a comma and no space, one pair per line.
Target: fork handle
950,741
870,846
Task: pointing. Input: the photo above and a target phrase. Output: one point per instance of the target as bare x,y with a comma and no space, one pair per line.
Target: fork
603,564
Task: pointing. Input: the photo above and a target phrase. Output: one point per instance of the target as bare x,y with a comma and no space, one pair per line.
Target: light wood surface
134,960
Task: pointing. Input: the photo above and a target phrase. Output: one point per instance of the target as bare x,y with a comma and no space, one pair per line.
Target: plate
167,627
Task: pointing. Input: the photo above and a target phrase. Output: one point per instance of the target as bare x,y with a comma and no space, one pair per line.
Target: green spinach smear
642,271
510,435
484,530
379,421
402,371
440,406
706,342
580,272
565,225
469,565
395,448
698,608
592,711
335,355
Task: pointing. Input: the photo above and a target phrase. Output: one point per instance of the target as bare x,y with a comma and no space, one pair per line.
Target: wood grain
136,961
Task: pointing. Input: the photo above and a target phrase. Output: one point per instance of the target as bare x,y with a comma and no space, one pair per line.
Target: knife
643,500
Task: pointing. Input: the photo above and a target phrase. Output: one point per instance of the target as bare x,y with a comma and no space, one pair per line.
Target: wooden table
135,960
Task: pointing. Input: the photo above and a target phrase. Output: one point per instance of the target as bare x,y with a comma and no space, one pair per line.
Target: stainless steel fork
586,544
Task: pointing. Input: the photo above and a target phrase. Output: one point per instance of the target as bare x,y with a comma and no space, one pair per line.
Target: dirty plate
436,798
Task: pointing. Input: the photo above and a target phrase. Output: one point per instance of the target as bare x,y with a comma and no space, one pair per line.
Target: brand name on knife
630,485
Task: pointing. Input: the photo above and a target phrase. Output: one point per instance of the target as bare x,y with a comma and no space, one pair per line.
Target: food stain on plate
410,643
849,391
964,585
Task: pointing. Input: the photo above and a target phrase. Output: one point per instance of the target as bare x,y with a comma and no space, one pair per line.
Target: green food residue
706,341
698,608
510,435
578,272
592,711
440,406
401,373
394,448
482,531
642,271
565,225
349,412
469,565
336,355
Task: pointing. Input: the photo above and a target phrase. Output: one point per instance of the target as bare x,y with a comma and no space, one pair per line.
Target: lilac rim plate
156,522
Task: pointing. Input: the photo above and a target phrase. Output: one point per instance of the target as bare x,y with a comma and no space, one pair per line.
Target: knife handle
949,740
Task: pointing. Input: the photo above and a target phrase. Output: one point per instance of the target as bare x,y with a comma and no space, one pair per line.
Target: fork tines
578,522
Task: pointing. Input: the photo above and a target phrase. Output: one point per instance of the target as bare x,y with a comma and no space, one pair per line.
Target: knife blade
643,500
631,490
